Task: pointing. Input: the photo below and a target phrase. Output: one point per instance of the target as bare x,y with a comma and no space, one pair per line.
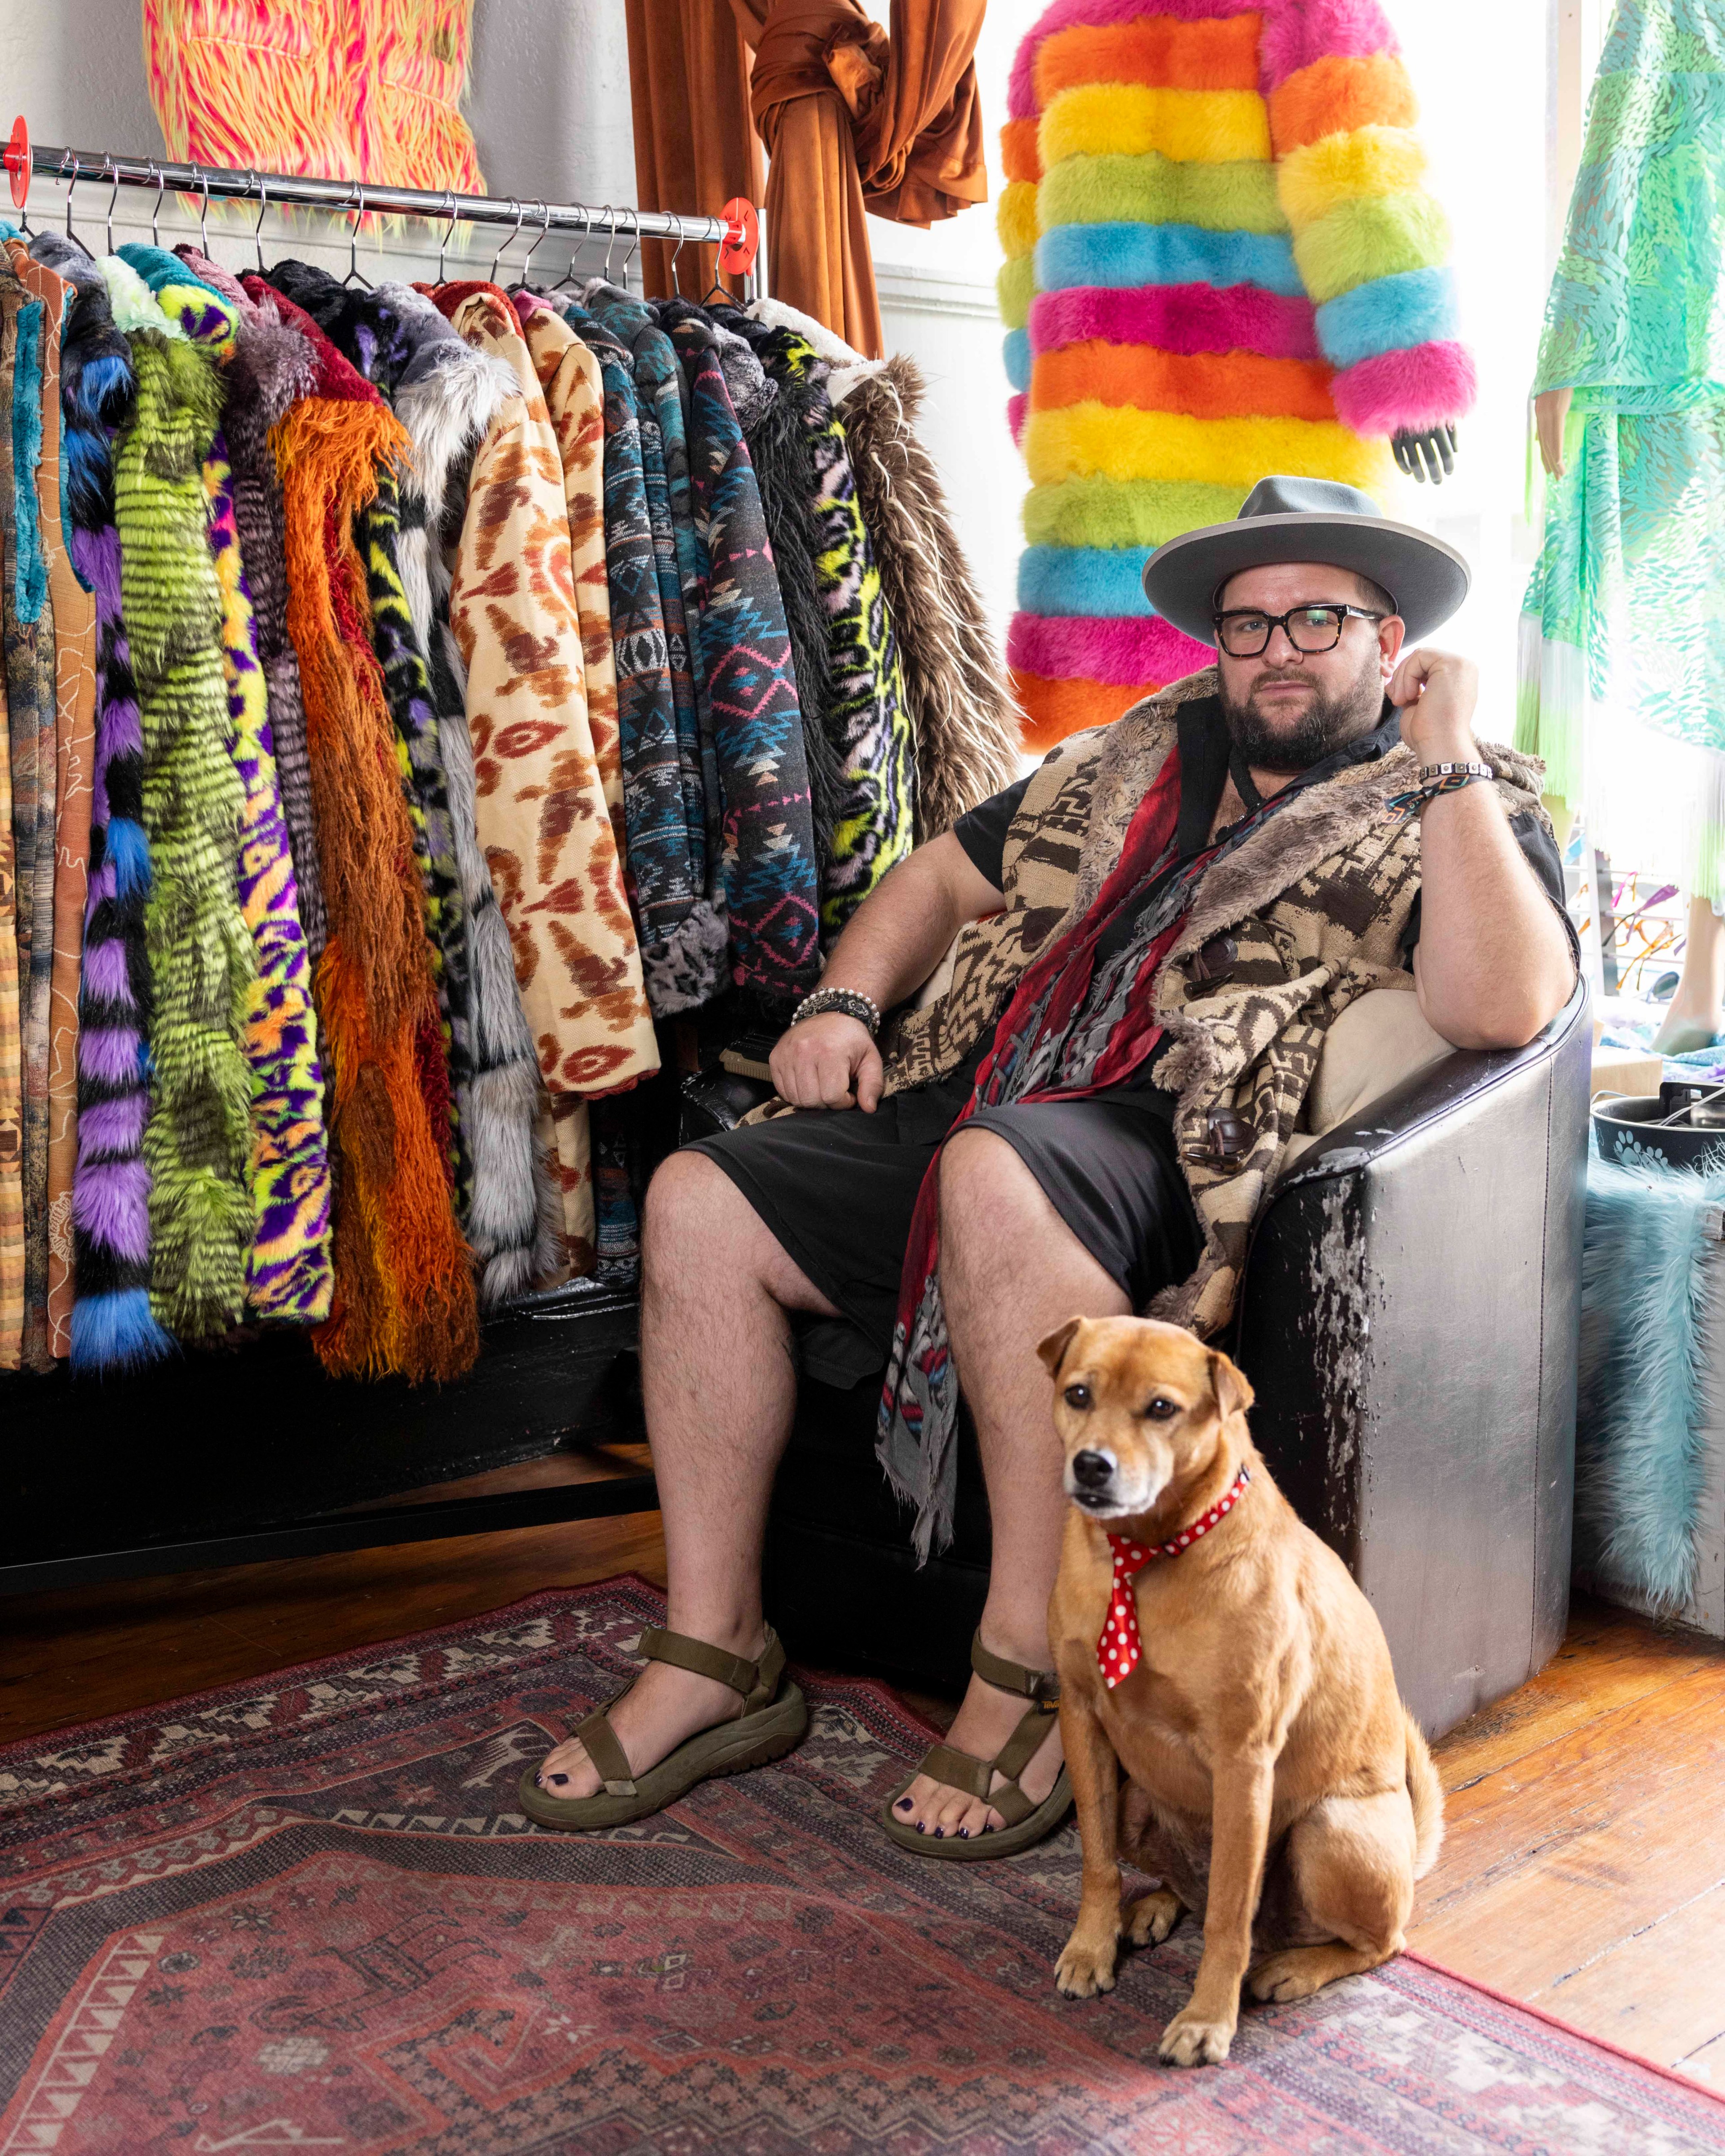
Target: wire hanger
634,245
258,229
676,288
151,165
355,275
545,227
449,233
610,238
71,189
109,165
203,219
568,276
503,245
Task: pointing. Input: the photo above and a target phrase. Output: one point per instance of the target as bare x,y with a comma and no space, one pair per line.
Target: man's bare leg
1011,1271
720,1387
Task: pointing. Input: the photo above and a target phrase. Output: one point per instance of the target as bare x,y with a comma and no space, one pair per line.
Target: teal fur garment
32,713
1622,675
202,964
1651,1274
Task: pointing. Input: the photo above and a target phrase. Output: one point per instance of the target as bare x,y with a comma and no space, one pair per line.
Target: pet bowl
1623,1125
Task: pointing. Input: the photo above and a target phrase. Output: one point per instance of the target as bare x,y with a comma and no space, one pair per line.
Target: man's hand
1436,693
820,1063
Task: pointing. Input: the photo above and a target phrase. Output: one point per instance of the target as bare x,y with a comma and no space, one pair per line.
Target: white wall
547,101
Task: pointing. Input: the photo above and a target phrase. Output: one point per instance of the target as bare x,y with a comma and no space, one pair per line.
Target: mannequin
1622,686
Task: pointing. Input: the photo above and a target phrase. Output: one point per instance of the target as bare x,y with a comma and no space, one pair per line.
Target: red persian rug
307,1916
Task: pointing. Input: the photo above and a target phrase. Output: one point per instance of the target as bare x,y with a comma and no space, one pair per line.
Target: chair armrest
1409,1320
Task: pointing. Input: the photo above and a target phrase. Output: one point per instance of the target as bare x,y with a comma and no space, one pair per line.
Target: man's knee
690,1204
983,1183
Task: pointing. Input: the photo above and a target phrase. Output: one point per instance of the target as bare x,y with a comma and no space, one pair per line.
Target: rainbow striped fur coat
1221,262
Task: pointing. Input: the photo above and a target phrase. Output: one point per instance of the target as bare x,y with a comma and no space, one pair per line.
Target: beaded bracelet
1455,777
852,1002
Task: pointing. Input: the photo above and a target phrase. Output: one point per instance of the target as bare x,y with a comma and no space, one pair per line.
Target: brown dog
1278,1786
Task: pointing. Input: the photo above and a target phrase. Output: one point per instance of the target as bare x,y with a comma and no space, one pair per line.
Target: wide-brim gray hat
1306,519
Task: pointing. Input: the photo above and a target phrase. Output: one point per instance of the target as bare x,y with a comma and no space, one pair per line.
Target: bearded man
1155,931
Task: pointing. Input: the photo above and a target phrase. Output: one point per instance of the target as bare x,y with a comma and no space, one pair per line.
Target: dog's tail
1426,1795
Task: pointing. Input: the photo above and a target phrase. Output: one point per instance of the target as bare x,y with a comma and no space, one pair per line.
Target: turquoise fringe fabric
1650,1267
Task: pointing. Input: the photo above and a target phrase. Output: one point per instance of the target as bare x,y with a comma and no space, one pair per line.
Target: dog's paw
1189,2041
1302,1970
1150,1919
1083,1970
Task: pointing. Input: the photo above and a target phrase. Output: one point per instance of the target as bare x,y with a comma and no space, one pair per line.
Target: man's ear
1234,1395
1053,1350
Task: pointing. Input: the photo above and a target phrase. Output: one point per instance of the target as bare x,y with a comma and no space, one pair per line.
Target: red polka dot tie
1119,1647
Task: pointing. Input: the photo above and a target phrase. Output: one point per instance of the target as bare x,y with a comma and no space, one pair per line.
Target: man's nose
1092,1469
1293,650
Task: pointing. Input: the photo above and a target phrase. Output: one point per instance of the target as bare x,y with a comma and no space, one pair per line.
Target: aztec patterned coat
765,862
683,939
1317,903
1221,262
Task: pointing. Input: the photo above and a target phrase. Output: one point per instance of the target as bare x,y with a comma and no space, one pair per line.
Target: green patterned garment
866,707
1623,627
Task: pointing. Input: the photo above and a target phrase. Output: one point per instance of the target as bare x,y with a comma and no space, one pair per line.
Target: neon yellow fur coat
1221,262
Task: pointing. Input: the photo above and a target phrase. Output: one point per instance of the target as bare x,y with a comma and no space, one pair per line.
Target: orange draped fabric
854,119
695,149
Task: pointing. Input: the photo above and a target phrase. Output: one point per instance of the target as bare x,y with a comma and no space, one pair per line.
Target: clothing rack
735,232
587,1386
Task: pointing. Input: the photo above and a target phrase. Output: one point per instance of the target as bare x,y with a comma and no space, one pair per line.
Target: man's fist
1435,693
828,1061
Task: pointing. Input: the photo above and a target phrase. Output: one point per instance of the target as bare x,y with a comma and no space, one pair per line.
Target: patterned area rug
307,1916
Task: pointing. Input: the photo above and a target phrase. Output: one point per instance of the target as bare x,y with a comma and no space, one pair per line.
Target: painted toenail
560,1779
904,1804
964,1834
921,1828
940,1834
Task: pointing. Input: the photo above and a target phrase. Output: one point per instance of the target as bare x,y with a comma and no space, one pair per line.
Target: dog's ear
1053,1350
1234,1395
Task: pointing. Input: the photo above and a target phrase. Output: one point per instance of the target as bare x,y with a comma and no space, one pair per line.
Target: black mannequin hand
1430,455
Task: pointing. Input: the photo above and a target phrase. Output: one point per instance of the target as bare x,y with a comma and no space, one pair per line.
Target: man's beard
1327,723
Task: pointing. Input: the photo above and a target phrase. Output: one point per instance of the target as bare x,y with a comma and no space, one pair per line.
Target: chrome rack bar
164,176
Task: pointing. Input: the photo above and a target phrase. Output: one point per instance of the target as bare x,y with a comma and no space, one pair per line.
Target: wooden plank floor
1584,1868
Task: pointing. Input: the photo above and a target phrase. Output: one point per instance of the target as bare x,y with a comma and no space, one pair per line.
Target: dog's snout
1090,1470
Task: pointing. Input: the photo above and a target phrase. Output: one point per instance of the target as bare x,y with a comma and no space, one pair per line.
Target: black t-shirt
1204,747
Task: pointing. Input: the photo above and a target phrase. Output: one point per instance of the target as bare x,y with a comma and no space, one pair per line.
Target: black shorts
838,1189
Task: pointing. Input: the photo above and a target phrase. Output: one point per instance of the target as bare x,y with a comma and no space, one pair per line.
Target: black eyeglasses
1245,634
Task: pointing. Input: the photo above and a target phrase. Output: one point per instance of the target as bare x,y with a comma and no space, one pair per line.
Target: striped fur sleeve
1371,242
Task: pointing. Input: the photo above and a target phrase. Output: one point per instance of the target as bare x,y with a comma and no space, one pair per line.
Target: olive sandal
1027,1822
772,1718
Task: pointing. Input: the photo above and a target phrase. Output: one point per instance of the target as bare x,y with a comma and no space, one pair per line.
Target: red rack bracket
16,157
742,243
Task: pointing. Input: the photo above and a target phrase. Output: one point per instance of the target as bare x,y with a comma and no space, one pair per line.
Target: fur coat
543,819
963,721
404,1297
448,396
112,1328
203,963
75,755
